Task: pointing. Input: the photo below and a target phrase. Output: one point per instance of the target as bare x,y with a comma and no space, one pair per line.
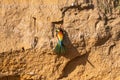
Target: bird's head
59,30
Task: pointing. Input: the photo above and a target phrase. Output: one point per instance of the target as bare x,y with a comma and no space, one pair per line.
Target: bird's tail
59,49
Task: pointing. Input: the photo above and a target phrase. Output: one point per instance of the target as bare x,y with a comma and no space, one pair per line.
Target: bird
60,48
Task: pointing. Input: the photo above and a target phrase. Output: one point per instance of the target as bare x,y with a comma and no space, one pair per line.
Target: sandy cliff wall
27,40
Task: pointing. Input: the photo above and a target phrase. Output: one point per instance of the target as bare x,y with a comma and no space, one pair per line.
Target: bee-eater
60,48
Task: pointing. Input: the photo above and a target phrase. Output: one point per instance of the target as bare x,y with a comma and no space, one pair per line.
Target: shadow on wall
75,57
10,77
71,51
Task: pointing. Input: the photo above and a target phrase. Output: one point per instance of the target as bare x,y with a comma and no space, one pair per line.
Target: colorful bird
60,48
